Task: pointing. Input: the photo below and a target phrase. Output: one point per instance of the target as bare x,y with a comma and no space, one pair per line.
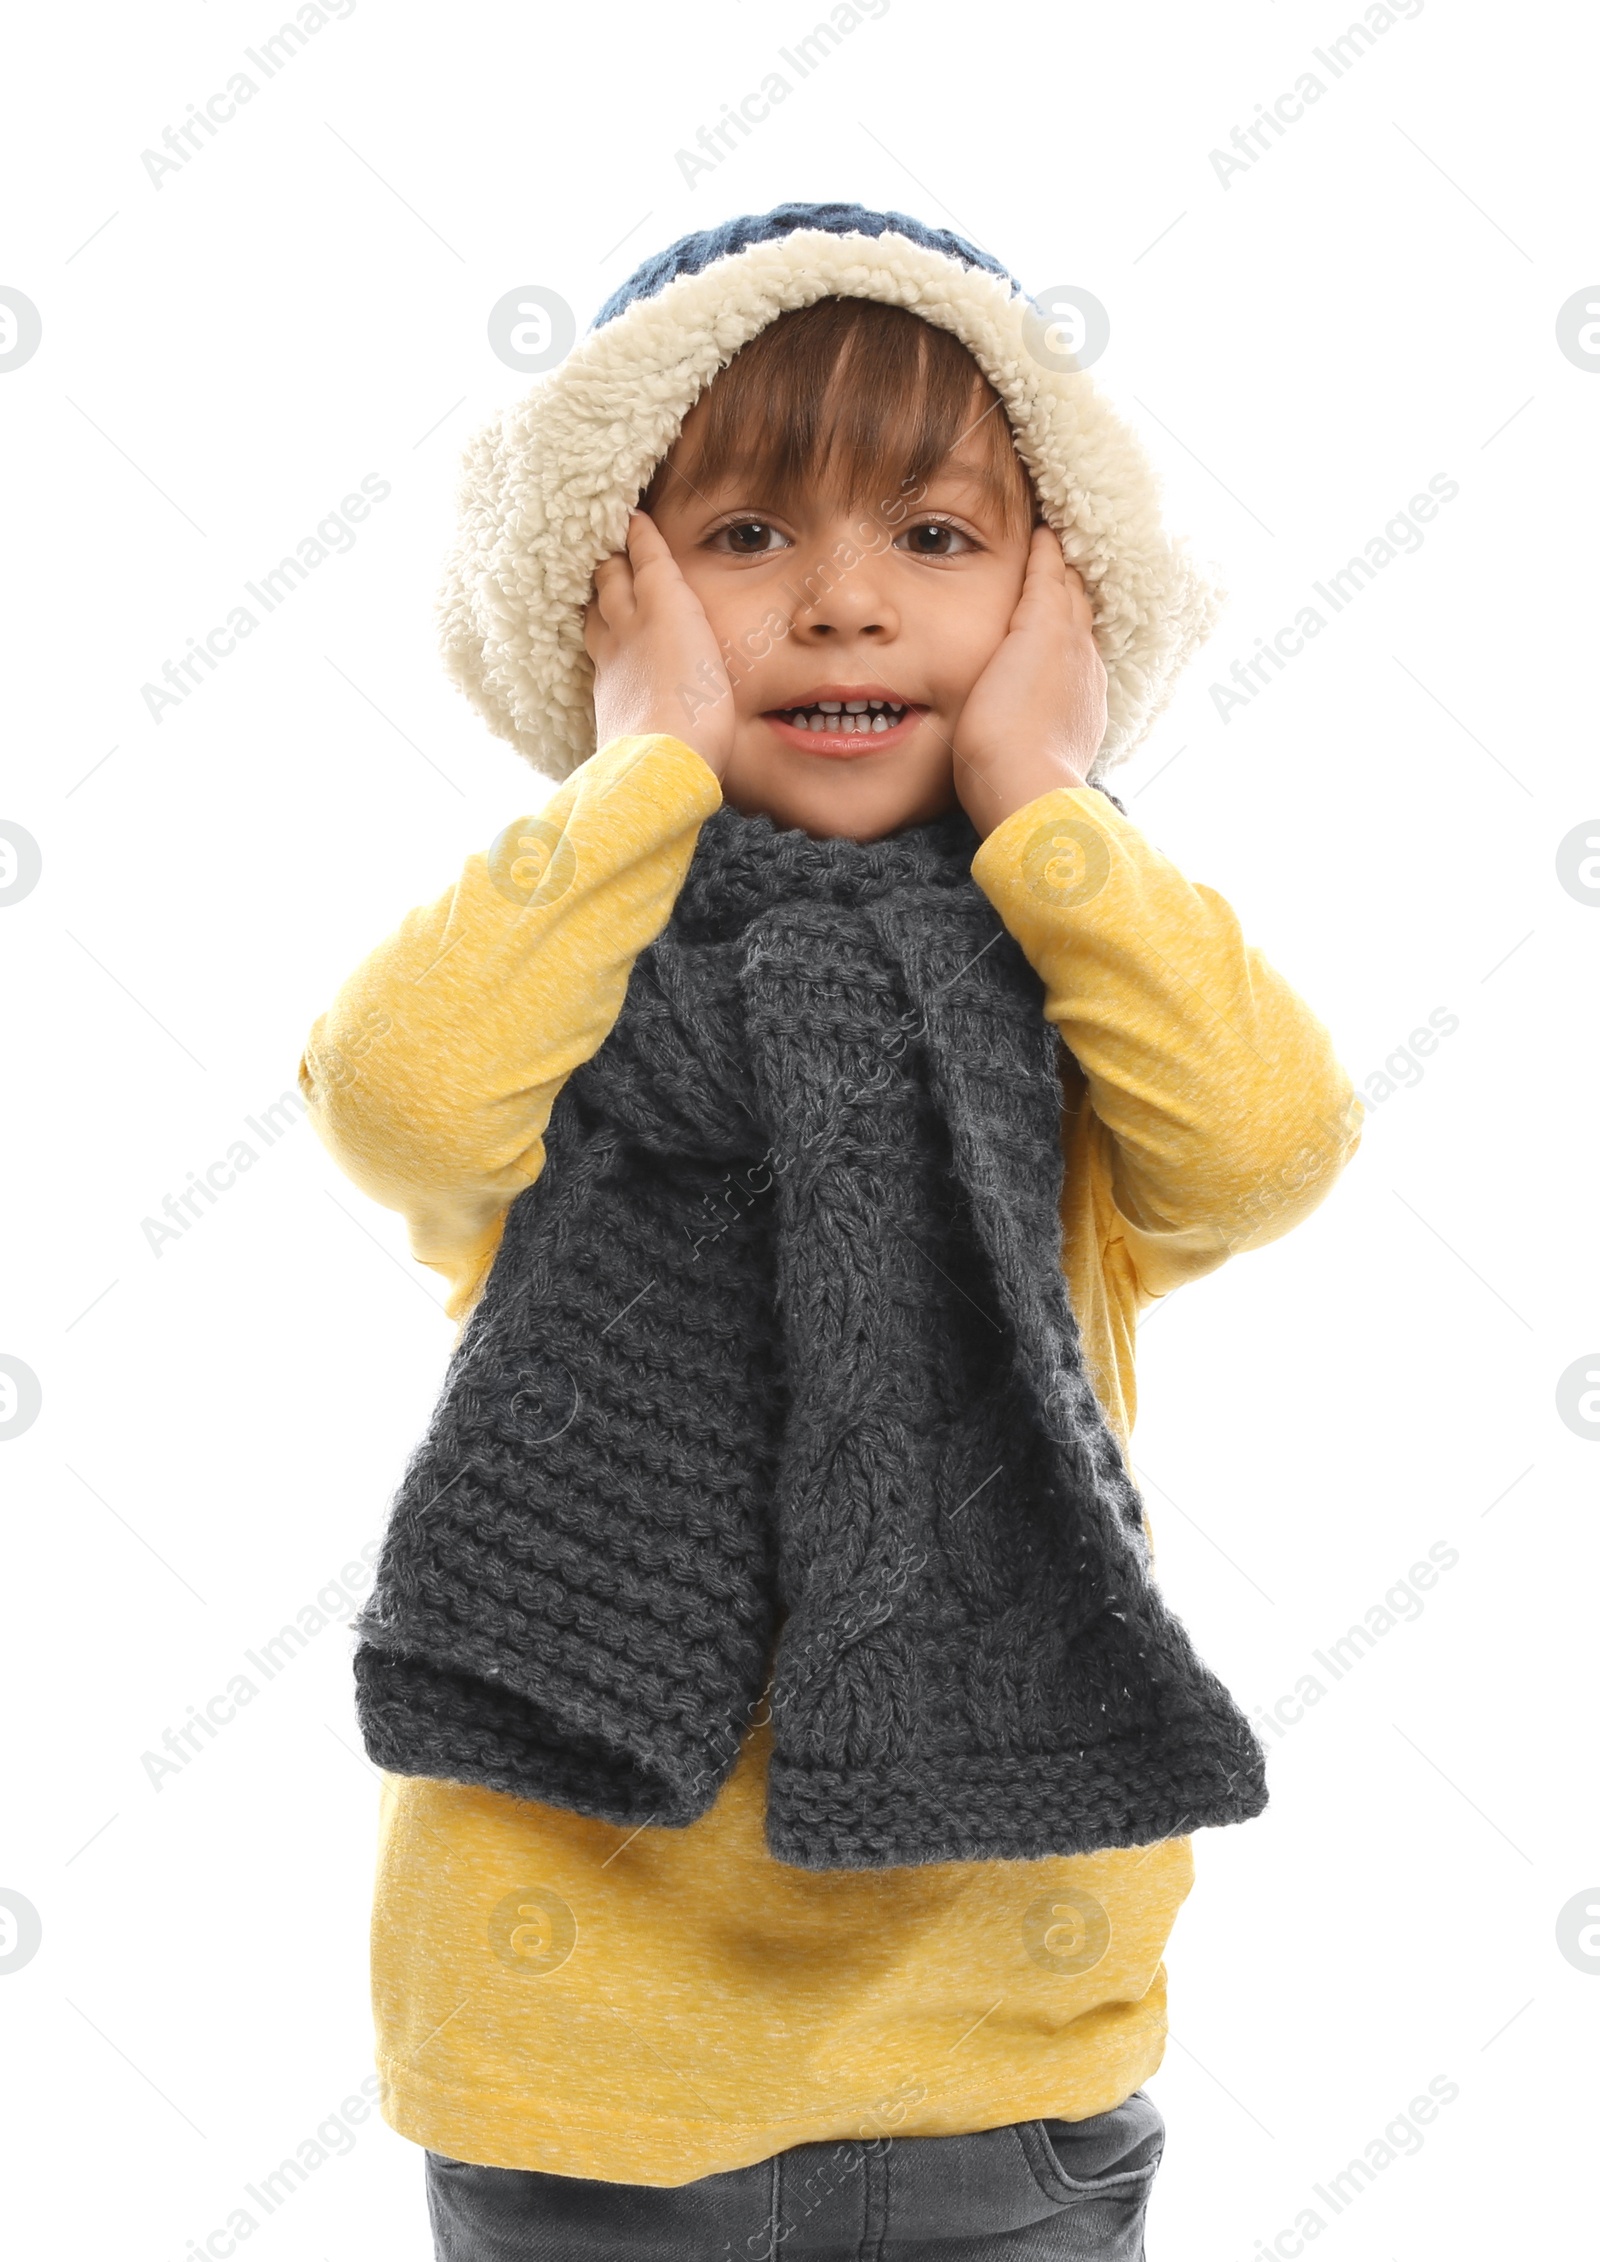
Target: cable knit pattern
775,1389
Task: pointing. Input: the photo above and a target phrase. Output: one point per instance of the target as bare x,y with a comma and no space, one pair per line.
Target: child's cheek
964,632
751,632
733,610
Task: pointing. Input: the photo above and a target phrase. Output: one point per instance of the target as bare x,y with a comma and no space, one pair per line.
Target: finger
1068,587
1078,596
1044,580
647,548
613,589
1045,559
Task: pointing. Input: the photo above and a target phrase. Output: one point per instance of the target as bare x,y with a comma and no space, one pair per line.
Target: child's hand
1035,717
656,662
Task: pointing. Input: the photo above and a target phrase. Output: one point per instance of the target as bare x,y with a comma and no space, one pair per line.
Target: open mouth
844,726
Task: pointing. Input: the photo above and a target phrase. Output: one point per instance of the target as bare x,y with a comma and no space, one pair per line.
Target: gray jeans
1069,2191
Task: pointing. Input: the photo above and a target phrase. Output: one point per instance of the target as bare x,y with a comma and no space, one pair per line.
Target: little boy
788,1757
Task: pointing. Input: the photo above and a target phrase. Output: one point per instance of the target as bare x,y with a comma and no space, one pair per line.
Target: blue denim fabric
1037,2191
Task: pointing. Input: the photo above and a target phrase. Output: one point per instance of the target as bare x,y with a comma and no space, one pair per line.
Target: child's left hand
1036,716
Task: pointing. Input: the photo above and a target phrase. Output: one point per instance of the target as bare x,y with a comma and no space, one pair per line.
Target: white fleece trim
548,484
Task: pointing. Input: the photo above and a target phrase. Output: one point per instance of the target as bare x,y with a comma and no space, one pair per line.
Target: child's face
903,601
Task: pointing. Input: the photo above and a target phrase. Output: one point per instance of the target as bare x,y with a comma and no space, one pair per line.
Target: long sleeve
431,1076
1215,1115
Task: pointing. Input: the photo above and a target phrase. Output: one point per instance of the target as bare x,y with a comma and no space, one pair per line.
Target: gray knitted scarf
775,1393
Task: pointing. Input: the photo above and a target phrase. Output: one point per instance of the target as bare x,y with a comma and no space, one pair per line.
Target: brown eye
750,537
934,540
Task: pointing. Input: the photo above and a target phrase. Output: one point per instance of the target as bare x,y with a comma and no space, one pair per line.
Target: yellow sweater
654,2005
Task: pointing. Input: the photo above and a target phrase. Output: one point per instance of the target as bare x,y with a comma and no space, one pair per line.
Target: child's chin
855,799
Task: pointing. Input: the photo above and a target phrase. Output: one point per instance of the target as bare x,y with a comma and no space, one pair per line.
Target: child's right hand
656,662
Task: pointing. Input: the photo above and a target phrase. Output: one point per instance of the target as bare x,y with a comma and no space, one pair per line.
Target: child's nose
843,590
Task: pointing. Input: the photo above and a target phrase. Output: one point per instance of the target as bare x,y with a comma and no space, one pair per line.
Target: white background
223,357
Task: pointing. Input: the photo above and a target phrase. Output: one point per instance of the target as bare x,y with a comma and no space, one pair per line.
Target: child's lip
841,745
843,691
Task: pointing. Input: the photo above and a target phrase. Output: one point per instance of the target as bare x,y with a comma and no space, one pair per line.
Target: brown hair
866,399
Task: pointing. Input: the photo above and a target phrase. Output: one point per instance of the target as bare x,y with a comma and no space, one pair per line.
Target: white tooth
856,706
878,723
817,722
876,705
828,706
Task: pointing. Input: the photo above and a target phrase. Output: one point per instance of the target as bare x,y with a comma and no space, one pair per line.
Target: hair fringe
857,397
